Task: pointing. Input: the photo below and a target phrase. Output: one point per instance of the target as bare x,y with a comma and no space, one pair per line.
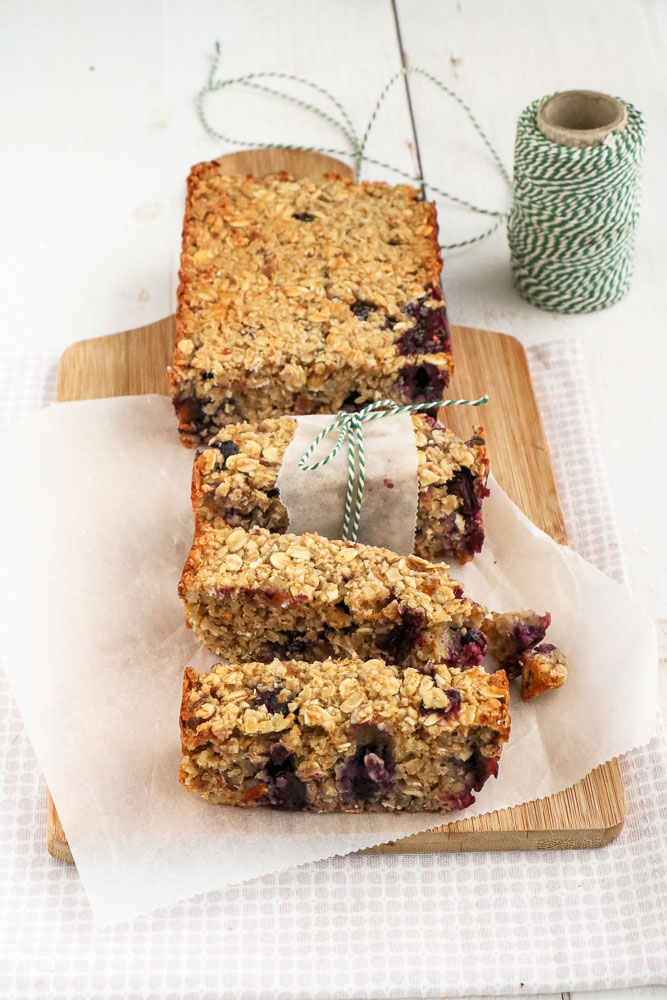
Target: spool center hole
581,112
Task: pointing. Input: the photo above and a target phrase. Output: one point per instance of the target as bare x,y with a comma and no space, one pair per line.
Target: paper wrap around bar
236,480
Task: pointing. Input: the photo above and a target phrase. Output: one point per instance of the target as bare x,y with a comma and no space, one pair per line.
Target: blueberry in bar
542,667
234,482
255,595
304,297
342,735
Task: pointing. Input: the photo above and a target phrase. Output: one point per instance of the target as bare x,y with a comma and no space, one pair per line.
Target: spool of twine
575,194
575,200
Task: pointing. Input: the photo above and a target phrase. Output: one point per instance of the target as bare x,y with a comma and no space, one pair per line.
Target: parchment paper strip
97,527
315,499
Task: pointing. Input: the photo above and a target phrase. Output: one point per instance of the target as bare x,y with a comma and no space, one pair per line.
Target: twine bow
351,428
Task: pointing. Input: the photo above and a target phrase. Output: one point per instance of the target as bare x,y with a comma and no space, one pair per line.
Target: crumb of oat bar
257,595
542,668
304,297
510,634
341,735
235,475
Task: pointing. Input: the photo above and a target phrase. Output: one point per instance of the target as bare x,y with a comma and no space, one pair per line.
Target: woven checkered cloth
428,925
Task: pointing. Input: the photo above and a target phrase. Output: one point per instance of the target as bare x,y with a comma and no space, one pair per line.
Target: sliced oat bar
234,479
342,735
304,297
257,595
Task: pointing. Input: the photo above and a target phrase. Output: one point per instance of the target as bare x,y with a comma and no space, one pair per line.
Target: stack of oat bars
351,677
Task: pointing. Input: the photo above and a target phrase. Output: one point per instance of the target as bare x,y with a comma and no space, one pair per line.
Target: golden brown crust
312,566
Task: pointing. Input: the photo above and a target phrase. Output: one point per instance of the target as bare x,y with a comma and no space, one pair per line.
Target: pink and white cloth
383,926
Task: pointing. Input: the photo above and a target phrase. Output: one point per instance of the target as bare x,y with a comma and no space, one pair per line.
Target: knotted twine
571,225
351,430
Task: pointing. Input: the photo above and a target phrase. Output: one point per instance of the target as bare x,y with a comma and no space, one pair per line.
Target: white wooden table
100,131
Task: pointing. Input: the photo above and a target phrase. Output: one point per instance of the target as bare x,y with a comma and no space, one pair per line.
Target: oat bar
257,595
304,297
234,481
342,735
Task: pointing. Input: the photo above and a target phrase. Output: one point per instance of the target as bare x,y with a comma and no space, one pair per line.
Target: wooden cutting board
592,812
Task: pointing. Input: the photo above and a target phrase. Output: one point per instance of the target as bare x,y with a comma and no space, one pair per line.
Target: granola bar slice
342,735
234,481
304,297
256,595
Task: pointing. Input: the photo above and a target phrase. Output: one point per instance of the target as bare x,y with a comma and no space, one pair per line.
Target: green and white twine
574,214
351,429
341,121
571,226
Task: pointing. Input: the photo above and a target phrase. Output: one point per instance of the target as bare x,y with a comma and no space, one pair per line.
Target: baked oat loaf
234,482
254,595
304,297
342,735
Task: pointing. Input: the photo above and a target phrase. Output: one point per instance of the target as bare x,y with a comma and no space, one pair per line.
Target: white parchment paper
315,498
94,645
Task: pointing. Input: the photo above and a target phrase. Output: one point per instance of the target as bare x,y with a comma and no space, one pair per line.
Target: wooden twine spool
580,117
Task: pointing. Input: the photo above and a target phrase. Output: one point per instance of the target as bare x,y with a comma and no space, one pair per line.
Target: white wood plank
499,57
633,993
84,193
516,996
99,101
304,39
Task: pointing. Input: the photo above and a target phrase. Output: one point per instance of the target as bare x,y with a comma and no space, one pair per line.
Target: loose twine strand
571,225
351,429
343,124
